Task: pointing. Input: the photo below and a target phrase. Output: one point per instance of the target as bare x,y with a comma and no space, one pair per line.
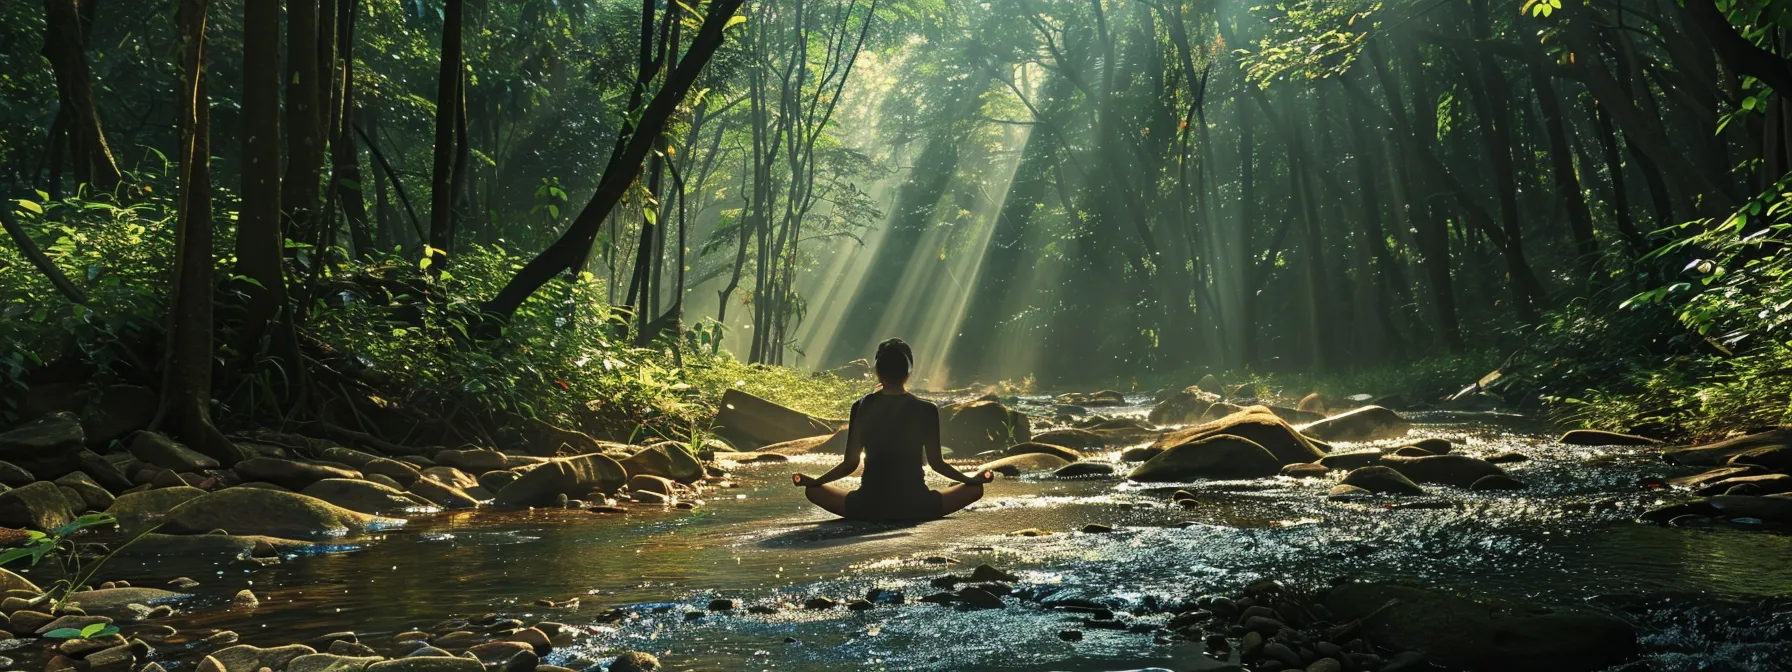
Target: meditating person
894,430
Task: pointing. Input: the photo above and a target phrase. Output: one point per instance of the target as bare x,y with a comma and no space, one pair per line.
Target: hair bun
894,361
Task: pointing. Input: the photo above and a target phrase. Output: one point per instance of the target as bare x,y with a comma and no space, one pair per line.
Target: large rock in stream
666,459
1218,456
834,443
1095,439
152,503
1255,424
575,477
363,496
269,512
1367,423
1464,634
1595,437
976,426
289,474
1028,463
749,422
167,453
1458,470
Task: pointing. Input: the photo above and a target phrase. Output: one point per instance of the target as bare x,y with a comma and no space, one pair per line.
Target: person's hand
802,480
982,478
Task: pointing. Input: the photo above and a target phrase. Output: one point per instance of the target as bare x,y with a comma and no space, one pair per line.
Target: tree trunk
260,243
1580,223
185,412
65,45
299,194
441,201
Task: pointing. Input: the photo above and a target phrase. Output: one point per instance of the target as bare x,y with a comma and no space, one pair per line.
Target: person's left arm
854,447
937,460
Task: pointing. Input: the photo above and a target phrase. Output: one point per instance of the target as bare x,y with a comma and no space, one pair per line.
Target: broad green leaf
93,629
32,206
735,21
62,633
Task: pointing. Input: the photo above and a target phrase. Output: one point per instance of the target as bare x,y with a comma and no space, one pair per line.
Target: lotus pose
894,430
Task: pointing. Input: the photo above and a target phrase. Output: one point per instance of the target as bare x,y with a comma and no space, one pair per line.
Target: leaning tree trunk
65,47
573,245
185,412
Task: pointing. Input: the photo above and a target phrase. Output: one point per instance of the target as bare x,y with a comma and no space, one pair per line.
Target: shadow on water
830,533
1710,599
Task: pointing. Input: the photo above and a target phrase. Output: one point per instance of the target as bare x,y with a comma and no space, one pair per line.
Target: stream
1703,599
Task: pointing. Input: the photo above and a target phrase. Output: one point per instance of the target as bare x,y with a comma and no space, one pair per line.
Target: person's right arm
937,460
854,447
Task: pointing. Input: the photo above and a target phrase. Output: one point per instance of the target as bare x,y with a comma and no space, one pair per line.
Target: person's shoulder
923,403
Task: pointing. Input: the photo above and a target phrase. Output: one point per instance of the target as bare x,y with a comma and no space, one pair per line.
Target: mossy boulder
161,451
1257,425
437,493
290,474
39,506
666,459
362,496
150,503
1717,454
269,512
575,477
94,497
1218,456
47,447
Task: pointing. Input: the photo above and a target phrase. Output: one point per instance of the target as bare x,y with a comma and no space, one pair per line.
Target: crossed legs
832,498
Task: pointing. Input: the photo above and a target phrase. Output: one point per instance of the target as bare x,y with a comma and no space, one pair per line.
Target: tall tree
65,45
185,412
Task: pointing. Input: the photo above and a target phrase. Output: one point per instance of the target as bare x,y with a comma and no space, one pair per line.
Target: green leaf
1748,103
735,21
93,629
14,554
62,633
29,205
554,211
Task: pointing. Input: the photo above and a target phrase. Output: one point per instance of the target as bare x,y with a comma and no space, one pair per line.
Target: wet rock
255,511
1257,425
94,497
1717,454
1083,439
442,495
815,603
118,600
330,662
722,604
118,657
570,476
494,481
1351,460
1081,469
635,661
246,658
1312,403
1139,454
1460,633
1097,528
750,423
290,474
167,453
978,598
472,461
449,476
1280,653
1032,447
363,496
497,652
1305,470
1594,437
402,472
426,664
246,599
1070,635
12,475
976,426
1029,463
1183,407
1383,481
1221,456
1432,445
654,484
666,459
1497,482
69,622
1692,521
10,582
1030,532
46,447
39,506
1458,470
1359,424
1507,458
1326,665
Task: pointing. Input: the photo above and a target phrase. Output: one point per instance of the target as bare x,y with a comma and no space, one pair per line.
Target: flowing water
1704,599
